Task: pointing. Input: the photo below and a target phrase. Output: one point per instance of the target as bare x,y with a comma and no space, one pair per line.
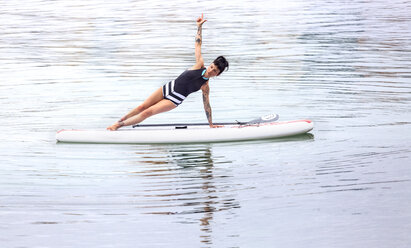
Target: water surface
75,64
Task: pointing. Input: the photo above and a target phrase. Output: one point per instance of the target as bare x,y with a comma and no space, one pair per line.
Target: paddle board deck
182,133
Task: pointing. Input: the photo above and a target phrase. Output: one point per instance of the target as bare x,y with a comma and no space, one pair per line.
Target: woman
173,93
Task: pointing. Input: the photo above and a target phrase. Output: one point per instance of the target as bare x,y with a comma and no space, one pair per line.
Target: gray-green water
83,64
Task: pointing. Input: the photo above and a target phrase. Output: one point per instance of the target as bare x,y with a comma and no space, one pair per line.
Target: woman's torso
189,81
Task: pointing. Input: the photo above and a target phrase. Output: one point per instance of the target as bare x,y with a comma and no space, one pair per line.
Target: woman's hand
200,20
216,126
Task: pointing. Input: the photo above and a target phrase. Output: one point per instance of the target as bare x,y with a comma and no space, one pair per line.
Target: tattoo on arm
198,36
207,107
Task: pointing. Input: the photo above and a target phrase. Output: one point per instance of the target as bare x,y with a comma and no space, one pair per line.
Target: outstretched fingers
200,20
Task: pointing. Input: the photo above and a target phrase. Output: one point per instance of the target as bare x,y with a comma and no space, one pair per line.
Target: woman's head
217,67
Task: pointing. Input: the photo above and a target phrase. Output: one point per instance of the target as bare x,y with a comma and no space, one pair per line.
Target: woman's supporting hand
216,126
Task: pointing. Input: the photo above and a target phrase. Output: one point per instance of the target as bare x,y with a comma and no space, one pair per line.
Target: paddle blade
265,119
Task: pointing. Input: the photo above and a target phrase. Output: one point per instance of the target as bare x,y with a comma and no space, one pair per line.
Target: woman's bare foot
115,126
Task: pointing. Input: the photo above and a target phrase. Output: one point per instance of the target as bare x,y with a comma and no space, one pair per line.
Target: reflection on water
83,64
188,185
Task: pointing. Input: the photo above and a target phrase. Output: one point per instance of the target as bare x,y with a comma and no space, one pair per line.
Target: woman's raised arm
199,58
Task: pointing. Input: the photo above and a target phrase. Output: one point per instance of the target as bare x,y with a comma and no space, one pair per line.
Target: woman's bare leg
154,98
160,107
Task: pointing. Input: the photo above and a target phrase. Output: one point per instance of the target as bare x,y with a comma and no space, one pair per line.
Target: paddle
262,119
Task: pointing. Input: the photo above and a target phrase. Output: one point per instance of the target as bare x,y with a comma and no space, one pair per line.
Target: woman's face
212,70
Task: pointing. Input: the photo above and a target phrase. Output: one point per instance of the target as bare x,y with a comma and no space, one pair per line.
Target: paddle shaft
263,119
189,124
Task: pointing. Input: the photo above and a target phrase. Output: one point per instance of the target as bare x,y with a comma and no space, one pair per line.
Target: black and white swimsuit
188,82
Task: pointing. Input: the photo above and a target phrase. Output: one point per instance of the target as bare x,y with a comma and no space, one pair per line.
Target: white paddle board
263,128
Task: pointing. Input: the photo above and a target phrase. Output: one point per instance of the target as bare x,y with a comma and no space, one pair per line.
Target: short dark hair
221,64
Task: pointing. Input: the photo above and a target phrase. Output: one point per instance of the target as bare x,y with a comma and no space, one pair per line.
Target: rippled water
83,64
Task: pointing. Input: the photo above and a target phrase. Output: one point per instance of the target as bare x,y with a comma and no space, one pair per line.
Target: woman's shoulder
197,67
